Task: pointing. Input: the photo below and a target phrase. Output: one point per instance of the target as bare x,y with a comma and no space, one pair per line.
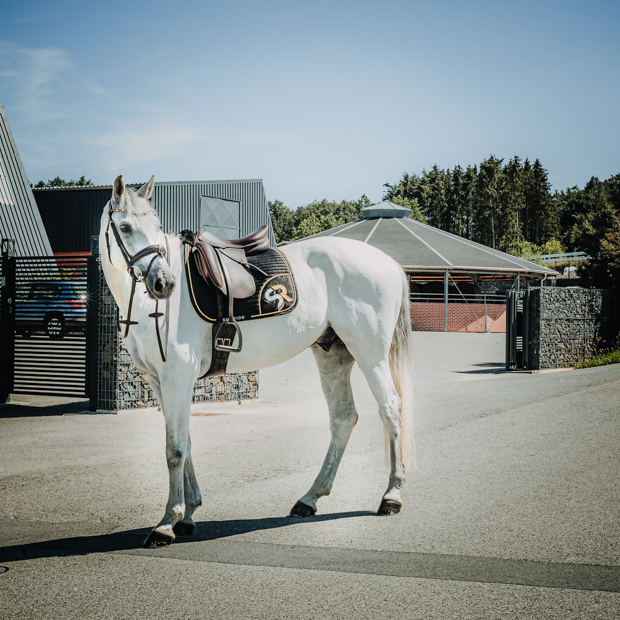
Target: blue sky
320,100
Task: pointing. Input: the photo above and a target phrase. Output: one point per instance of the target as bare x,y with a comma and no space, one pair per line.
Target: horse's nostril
159,285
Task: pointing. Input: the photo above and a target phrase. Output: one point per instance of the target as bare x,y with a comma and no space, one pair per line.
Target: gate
48,324
517,328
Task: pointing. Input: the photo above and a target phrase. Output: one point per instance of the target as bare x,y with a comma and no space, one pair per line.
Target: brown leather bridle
136,273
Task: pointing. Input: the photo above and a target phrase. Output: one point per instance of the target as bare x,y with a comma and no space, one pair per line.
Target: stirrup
220,344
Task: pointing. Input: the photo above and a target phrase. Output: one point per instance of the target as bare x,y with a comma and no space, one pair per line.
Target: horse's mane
136,205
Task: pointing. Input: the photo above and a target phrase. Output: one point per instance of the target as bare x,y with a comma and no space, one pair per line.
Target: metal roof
419,247
385,209
19,216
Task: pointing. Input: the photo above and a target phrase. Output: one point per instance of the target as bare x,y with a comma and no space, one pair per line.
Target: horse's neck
119,284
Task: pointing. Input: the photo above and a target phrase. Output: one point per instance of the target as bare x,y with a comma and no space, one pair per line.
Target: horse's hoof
183,529
302,510
158,539
389,507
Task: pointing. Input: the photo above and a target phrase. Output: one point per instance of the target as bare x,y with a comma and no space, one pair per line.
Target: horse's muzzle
160,282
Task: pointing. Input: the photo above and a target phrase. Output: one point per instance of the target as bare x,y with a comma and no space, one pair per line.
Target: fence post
445,300
525,362
511,331
7,320
486,314
615,318
92,327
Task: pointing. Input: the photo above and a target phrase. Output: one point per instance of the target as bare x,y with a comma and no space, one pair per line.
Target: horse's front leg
176,398
193,499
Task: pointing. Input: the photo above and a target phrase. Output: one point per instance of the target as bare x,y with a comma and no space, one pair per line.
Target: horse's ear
146,191
119,188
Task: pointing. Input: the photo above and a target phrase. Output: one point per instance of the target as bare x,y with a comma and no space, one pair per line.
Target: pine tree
512,200
490,178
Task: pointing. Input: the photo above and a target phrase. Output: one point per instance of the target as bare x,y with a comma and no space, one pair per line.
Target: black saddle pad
275,293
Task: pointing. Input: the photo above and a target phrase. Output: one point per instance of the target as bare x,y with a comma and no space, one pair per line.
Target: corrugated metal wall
178,204
19,215
72,215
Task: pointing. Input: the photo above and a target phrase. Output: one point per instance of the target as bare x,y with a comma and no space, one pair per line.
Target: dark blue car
55,308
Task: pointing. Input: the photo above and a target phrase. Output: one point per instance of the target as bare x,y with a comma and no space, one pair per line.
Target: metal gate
49,325
517,328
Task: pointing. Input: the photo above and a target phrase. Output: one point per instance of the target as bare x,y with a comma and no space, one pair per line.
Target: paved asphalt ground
512,512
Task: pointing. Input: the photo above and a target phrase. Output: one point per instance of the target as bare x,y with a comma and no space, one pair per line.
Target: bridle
158,251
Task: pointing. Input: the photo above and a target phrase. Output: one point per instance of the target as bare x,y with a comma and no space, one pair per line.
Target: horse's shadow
133,539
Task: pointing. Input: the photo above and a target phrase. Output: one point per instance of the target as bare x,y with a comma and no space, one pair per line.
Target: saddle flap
209,266
240,280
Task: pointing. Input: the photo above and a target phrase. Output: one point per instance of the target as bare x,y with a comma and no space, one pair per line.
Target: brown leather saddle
223,264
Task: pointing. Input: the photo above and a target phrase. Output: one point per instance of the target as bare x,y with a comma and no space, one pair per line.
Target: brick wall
430,317
568,325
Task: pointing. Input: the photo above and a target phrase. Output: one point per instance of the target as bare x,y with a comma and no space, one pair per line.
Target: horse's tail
401,366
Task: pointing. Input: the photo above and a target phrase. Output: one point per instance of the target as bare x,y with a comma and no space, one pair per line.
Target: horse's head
134,240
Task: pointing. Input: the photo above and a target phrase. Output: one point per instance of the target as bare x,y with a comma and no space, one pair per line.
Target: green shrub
603,357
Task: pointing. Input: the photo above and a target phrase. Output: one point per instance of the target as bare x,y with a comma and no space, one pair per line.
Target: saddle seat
256,242
222,262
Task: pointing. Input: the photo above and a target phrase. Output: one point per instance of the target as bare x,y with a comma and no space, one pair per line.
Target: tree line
58,182
508,206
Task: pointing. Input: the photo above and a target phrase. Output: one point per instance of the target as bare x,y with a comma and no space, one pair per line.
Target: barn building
19,216
455,284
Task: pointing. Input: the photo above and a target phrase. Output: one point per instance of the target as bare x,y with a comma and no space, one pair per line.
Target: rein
136,275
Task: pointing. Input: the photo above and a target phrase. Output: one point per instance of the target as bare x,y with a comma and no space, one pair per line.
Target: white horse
355,289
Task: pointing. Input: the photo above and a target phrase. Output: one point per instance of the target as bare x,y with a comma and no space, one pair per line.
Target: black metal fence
45,323
517,330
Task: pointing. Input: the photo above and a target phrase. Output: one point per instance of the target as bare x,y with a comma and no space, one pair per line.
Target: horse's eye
125,228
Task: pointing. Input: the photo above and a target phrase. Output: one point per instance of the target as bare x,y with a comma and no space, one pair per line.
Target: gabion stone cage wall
123,386
568,325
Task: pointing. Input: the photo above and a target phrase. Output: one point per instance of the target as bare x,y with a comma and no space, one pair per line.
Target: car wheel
54,326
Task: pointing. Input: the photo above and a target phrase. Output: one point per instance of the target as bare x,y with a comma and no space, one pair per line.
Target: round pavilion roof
419,247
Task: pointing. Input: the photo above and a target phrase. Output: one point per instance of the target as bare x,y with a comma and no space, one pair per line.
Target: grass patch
603,357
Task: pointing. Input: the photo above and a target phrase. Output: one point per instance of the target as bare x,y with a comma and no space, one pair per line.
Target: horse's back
357,269
363,286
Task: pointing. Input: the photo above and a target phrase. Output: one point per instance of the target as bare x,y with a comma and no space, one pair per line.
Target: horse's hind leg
335,369
379,379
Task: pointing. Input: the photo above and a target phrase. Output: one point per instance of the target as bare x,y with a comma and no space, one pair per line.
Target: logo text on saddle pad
278,294
275,292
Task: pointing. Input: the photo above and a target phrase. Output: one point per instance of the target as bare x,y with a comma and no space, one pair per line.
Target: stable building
20,220
455,284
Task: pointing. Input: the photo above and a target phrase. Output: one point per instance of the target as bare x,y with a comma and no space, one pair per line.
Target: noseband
136,274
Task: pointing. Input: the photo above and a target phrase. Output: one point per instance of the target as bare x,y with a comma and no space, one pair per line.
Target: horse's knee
175,455
342,423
